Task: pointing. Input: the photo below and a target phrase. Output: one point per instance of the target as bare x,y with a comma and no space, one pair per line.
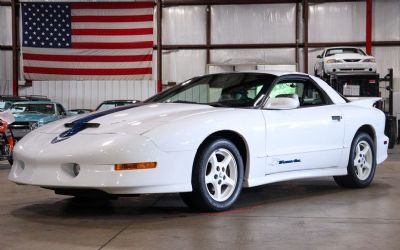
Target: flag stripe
111,12
45,77
132,45
135,5
112,19
121,25
112,32
89,52
91,58
112,39
85,65
63,71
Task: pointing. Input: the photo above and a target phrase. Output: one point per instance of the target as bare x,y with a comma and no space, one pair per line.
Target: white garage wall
5,73
386,20
263,23
5,56
180,65
5,25
89,94
337,22
389,57
184,25
253,56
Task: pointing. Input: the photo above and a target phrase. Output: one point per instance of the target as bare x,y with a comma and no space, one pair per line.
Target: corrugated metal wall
268,23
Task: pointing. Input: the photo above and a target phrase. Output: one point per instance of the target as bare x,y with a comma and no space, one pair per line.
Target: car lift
367,85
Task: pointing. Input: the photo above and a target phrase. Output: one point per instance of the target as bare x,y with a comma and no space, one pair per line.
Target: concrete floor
305,214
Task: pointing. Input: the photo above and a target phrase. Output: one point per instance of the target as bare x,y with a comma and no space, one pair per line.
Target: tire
216,183
362,163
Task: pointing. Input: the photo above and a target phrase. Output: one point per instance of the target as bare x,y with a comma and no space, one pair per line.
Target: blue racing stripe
78,125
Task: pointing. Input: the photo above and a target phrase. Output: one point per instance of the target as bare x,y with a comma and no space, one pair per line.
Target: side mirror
319,57
282,103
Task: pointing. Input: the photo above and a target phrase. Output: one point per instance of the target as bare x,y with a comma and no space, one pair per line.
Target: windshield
331,52
108,105
33,108
4,105
221,90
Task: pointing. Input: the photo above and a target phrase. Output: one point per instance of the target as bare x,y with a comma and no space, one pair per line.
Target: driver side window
308,94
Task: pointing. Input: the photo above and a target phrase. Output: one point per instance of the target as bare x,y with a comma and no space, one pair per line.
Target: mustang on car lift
209,137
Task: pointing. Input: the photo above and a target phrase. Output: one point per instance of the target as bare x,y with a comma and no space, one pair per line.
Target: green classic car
33,114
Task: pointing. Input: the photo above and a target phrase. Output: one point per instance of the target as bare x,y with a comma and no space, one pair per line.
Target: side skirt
292,175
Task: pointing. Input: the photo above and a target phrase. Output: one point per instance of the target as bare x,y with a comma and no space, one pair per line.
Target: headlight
370,60
33,125
333,61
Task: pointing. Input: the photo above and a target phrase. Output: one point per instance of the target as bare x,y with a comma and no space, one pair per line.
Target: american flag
87,41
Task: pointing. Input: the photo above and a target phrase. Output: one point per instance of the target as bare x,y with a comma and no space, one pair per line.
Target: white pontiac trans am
343,60
207,138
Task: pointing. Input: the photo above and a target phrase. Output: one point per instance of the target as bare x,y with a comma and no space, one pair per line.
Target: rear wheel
362,163
217,177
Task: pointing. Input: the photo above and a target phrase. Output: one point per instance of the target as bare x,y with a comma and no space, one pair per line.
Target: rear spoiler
364,101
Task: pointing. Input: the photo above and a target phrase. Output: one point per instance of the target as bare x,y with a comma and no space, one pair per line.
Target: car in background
7,100
79,111
115,103
35,98
343,59
33,114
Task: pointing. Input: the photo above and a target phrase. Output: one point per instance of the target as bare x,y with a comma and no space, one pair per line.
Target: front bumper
330,68
51,165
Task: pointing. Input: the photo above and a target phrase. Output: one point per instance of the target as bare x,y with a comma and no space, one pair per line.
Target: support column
15,44
305,32
159,46
208,33
368,33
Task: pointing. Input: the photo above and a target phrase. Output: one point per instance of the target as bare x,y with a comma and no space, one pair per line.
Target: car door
307,137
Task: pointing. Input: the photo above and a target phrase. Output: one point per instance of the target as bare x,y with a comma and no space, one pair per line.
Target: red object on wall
368,32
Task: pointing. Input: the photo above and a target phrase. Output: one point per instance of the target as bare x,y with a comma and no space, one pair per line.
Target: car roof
37,102
273,72
343,47
117,101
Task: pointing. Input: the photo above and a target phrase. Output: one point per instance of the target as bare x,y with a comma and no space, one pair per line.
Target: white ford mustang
343,59
207,138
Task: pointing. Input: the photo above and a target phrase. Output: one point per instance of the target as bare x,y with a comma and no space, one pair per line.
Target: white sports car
343,59
207,138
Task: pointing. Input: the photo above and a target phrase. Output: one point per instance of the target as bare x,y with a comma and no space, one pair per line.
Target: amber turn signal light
133,166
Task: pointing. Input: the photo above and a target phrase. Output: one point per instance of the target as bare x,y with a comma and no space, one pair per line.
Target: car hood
136,119
29,117
348,56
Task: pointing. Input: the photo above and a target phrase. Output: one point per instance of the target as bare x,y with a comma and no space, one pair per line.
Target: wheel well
235,138
368,129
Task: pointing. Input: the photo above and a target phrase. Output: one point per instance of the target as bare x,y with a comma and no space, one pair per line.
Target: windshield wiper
217,104
182,101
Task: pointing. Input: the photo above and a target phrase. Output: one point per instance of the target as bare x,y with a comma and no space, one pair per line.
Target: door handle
336,118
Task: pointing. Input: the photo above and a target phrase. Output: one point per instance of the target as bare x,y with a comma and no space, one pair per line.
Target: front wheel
362,163
217,177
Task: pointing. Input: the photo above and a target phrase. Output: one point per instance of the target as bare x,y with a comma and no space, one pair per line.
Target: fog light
133,166
334,70
76,169
370,69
